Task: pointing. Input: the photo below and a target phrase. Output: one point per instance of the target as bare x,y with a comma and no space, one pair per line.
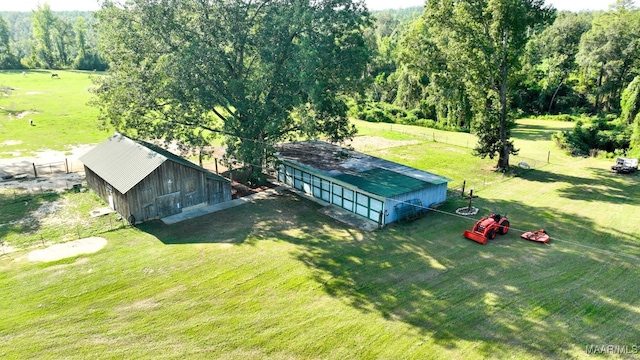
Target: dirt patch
10,142
56,183
51,168
22,114
68,249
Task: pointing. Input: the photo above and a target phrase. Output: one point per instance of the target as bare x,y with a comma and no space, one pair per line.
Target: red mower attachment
537,236
487,228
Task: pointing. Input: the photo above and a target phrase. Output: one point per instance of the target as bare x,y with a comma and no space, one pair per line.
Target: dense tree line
50,40
464,65
447,59
574,64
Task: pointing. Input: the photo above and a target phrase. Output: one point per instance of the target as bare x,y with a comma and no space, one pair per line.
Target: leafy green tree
610,53
630,102
63,39
43,23
484,40
87,58
259,72
7,59
429,76
81,37
559,46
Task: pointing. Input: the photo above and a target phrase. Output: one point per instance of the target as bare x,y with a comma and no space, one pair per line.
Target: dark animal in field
55,76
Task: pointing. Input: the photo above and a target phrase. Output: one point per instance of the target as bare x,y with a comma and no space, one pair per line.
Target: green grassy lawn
276,279
58,108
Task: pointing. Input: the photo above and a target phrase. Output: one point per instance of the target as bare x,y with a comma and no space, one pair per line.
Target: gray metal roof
123,163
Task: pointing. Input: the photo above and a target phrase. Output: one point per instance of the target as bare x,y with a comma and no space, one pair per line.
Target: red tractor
487,228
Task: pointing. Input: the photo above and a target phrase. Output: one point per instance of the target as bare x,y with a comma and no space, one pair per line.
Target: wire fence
40,218
26,169
519,163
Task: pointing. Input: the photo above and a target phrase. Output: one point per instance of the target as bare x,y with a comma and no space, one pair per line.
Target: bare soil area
51,167
68,249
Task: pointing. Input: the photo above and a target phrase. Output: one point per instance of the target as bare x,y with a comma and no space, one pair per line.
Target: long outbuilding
142,181
377,189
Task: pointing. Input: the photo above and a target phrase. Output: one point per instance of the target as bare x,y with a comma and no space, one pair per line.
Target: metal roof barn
379,190
143,182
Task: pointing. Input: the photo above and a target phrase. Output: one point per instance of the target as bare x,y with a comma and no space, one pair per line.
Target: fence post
66,164
217,173
548,156
464,183
35,172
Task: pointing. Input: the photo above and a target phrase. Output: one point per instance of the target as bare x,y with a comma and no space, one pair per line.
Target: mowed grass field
275,279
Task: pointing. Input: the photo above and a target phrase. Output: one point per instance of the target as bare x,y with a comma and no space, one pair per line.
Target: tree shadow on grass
602,185
244,224
509,296
532,132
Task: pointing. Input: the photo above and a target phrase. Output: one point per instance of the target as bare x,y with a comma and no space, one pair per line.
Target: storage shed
377,189
141,181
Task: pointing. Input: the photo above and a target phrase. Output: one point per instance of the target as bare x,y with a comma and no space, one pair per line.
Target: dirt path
68,249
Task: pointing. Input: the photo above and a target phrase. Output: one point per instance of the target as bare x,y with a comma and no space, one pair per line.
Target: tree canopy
481,43
257,72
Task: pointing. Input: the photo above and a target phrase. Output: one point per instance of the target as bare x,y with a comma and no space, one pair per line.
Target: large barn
142,182
374,188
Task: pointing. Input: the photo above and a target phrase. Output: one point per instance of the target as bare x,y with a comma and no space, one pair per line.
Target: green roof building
374,188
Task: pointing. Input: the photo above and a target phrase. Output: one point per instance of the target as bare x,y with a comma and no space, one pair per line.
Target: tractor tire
491,234
504,227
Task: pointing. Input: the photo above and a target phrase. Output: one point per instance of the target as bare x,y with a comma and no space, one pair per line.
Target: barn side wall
332,191
103,190
373,207
218,191
428,196
166,191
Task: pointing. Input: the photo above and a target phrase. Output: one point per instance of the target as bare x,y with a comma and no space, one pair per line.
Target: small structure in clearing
142,181
374,188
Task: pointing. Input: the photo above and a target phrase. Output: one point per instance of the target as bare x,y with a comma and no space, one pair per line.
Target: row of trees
475,66
569,63
259,72
44,39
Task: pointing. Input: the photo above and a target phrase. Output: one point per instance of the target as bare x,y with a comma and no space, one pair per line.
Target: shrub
598,135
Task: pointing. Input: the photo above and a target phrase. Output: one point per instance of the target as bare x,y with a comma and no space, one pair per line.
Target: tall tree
484,39
630,102
610,53
7,59
63,39
81,37
630,105
559,44
434,78
43,23
258,72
